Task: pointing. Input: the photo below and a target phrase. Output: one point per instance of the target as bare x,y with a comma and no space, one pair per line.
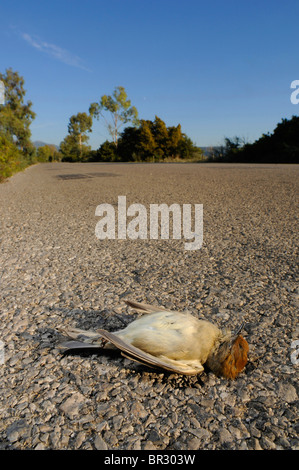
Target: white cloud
55,51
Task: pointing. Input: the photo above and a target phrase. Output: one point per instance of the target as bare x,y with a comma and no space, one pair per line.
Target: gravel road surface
55,272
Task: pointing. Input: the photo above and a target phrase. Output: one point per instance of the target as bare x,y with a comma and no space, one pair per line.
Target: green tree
186,148
11,158
47,153
161,137
16,149
69,149
16,115
146,147
128,143
72,147
107,152
175,136
79,125
152,140
282,146
119,109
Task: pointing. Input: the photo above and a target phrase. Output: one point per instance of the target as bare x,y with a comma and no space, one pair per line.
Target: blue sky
219,68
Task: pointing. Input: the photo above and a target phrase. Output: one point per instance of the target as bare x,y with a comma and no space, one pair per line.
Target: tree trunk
80,144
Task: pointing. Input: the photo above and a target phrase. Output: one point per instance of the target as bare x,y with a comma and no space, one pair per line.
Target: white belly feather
174,335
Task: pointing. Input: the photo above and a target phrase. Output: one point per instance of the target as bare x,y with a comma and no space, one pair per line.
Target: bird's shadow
164,376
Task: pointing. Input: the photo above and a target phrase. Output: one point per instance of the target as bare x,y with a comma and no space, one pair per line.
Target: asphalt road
55,272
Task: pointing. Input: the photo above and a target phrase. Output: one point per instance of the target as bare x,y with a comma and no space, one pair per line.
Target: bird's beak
237,332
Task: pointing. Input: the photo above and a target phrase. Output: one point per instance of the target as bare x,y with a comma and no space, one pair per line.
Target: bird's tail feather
81,339
144,308
70,345
81,335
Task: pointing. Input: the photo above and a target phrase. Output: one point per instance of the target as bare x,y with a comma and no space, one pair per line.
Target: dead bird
170,340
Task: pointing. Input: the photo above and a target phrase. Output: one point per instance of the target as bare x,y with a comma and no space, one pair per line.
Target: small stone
81,437
99,443
287,392
267,444
17,430
194,444
72,405
224,436
40,446
149,445
154,436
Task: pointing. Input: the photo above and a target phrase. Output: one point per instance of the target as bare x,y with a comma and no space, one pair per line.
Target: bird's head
236,359
230,356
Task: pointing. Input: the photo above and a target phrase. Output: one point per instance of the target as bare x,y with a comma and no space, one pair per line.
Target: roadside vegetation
131,139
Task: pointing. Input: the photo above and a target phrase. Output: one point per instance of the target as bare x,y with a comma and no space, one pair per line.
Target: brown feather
236,360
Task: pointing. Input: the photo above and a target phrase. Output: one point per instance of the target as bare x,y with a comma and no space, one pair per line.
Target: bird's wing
145,308
138,355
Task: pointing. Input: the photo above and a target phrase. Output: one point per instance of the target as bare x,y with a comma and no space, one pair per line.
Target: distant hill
39,143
